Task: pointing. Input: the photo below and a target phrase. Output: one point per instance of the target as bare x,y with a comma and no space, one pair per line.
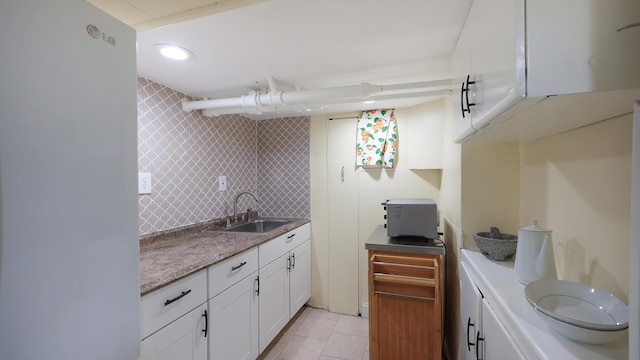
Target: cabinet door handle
478,339
206,323
234,268
462,100
293,263
258,287
469,343
183,294
289,263
628,26
466,90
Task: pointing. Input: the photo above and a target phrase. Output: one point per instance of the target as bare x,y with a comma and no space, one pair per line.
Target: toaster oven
411,217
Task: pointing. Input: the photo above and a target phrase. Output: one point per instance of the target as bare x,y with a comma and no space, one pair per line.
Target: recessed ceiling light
369,102
174,52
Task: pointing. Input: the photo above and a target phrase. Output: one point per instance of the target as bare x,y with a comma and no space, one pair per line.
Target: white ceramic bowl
580,334
578,312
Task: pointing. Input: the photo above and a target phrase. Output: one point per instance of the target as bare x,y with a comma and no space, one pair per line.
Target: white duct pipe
276,99
268,109
253,99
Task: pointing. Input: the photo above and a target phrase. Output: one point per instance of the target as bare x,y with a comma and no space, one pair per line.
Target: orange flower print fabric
377,138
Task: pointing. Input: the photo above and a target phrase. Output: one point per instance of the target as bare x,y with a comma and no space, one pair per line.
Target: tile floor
316,334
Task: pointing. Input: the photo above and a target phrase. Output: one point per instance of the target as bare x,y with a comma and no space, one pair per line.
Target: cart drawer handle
406,296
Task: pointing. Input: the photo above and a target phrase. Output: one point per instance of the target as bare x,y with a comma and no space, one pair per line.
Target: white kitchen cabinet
470,314
300,277
482,334
233,307
274,299
518,55
511,328
284,281
496,342
168,303
234,321
175,320
185,338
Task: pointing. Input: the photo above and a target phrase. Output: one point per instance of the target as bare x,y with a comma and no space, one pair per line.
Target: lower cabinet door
300,281
234,322
182,339
273,299
470,315
498,344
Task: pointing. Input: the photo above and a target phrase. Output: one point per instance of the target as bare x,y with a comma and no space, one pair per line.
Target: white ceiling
305,43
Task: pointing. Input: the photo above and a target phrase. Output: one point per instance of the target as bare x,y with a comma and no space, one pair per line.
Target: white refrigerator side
69,259
634,267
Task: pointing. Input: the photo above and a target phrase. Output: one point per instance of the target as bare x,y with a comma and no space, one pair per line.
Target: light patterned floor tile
352,325
345,346
302,348
317,328
318,334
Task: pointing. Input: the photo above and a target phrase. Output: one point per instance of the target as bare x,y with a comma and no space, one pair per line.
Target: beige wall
374,187
490,189
579,184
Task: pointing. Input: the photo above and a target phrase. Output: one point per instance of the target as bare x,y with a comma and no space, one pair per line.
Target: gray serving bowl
499,249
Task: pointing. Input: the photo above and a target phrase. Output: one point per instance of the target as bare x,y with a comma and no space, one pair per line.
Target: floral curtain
377,138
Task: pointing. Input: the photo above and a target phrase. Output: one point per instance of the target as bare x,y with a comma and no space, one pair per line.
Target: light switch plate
222,183
144,183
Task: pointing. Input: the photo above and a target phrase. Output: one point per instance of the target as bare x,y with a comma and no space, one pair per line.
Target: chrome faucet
235,203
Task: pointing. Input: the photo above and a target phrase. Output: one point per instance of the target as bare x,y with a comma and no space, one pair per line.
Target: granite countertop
380,241
173,254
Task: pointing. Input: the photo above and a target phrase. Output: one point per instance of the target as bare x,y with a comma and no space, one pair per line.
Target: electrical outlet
144,183
222,183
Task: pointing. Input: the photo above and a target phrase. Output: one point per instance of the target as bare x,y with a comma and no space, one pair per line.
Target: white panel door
273,299
300,277
234,322
342,178
182,339
470,315
497,343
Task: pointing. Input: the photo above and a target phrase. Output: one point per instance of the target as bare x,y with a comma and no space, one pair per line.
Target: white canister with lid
534,254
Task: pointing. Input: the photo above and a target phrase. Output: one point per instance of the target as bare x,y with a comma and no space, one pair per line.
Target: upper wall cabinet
514,58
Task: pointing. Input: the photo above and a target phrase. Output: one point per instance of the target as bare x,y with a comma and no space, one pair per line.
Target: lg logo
95,33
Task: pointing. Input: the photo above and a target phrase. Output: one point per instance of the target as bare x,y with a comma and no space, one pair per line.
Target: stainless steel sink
256,226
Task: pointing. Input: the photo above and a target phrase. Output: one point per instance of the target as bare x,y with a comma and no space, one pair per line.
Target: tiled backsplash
283,167
187,152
